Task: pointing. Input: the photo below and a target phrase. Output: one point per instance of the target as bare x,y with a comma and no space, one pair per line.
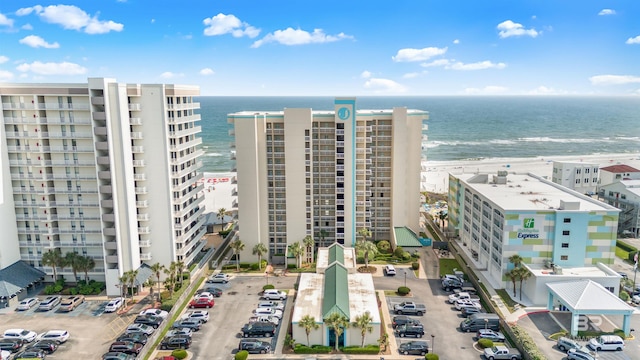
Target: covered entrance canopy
586,297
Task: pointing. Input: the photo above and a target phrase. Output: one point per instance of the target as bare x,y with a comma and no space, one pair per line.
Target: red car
201,303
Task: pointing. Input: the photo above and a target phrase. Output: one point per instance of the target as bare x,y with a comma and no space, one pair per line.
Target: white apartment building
104,169
614,173
625,195
579,176
326,174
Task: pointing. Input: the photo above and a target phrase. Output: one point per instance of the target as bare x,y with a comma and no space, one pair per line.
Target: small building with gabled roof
335,288
618,172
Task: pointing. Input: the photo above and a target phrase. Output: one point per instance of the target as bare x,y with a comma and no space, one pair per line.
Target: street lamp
266,273
486,323
405,278
433,338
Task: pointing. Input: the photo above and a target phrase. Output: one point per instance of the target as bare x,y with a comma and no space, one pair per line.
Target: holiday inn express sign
528,230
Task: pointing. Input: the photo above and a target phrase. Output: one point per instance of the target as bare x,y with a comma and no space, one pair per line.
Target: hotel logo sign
528,230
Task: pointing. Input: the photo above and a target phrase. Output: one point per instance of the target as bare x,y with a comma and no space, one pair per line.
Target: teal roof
336,291
406,238
18,276
336,253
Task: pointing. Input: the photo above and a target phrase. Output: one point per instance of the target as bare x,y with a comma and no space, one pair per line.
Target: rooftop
280,113
406,238
587,295
619,168
579,272
323,260
529,192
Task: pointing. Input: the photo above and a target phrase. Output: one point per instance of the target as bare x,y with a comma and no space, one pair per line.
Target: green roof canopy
336,291
406,238
336,253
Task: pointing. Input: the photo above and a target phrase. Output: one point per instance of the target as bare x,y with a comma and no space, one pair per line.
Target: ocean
461,127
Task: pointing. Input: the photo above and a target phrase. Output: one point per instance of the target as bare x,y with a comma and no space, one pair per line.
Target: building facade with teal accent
547,225
326,174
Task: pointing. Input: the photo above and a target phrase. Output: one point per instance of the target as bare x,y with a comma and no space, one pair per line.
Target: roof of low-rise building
336,291
405,237
17,276
336,253
588,295
324,258
619,168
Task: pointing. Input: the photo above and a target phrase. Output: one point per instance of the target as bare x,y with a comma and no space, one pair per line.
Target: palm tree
513,275
86,264
54,259
309,245
260,249
132,280
322,234
171,273
72,259
157,271
222,212
363,322
524,274
297,250
442,216
337,323
516,260
308,322
365,233
123,280
237,246
179,270
367,248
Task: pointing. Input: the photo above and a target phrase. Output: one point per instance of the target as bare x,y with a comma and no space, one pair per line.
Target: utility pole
635,269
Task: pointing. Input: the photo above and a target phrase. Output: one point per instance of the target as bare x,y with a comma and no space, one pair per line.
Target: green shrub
403,290
52,289
431,357
291,266
255,267
181,354
224,233
360,260
186,275
314,349
166,306
527,343
398,252
624,296
368,349
415,265
485,343
383,246
242,355
626,247
406,256
268,287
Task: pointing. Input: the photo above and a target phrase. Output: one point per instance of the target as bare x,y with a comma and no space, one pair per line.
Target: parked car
114,304
565,344
48,346
127,347
180,332
194,325
470,310
410,330
204,295
176,342
575,354
258,329
139,328
265,318
271,304
494,336
201,303
27,304
389,270
404,319
5,355
49,303
151,320
11,345
273,294
219,278
217,292
268,311
139,338
59,336
254,346
155,312
117,356
414,348
606,342
20,334
30,355
200,315
71,302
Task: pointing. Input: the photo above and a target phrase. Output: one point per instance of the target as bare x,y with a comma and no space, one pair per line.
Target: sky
329,48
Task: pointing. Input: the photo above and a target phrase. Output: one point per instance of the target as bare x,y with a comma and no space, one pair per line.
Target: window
586,171
564,257
578,171
586,181
567,220
577,181
565,232
565,245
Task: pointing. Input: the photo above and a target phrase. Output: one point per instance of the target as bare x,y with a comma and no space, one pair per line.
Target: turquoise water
465,127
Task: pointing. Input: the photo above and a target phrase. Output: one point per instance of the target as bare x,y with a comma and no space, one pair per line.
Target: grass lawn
447,266
508,301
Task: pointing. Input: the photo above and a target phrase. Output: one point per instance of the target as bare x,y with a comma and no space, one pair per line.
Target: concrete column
626,324
575,320
550,301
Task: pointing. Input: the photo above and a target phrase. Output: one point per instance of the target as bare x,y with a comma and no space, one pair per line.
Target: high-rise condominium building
104,169
326,174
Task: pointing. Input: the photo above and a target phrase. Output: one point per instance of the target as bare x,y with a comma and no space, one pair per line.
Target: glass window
565,232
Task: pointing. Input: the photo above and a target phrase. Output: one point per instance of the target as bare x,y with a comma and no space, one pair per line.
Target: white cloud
413,75
487,90
72,17
456,41
5,75
153,21
614,79
228,24
170,75
27,27
51,68
36,41
607,12
409,55
480,65
365,74
5,21
509,28
292,36
633,40
543,90
439,62
3,59
384,86
207,71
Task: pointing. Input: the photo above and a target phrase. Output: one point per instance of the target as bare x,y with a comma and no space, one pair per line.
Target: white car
4,354
219,278
268,311
59,336
139,328
204,295
606,342
271,304
389,270
461,304
200,315
22,334
27,304
114,304
265,318
155,312
179,332
273,294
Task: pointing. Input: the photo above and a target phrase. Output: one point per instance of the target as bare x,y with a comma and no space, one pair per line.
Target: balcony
143,217
137,135
145,256
143,230
144,243
141,190
135,121
134,107
142,204
139,177
138,163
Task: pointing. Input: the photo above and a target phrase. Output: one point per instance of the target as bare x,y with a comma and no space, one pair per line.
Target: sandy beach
219,187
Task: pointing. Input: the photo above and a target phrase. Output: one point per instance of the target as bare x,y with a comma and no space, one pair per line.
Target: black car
410,330
449,284
414,348
403,320
216,292
30,354
127,347
48,346
254,346
112,355
175,342
12,345
139,338
194,325
151,320
265,329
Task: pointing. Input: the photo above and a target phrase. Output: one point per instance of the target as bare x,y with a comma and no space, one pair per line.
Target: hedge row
369,349
626,247
314,349
529,346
